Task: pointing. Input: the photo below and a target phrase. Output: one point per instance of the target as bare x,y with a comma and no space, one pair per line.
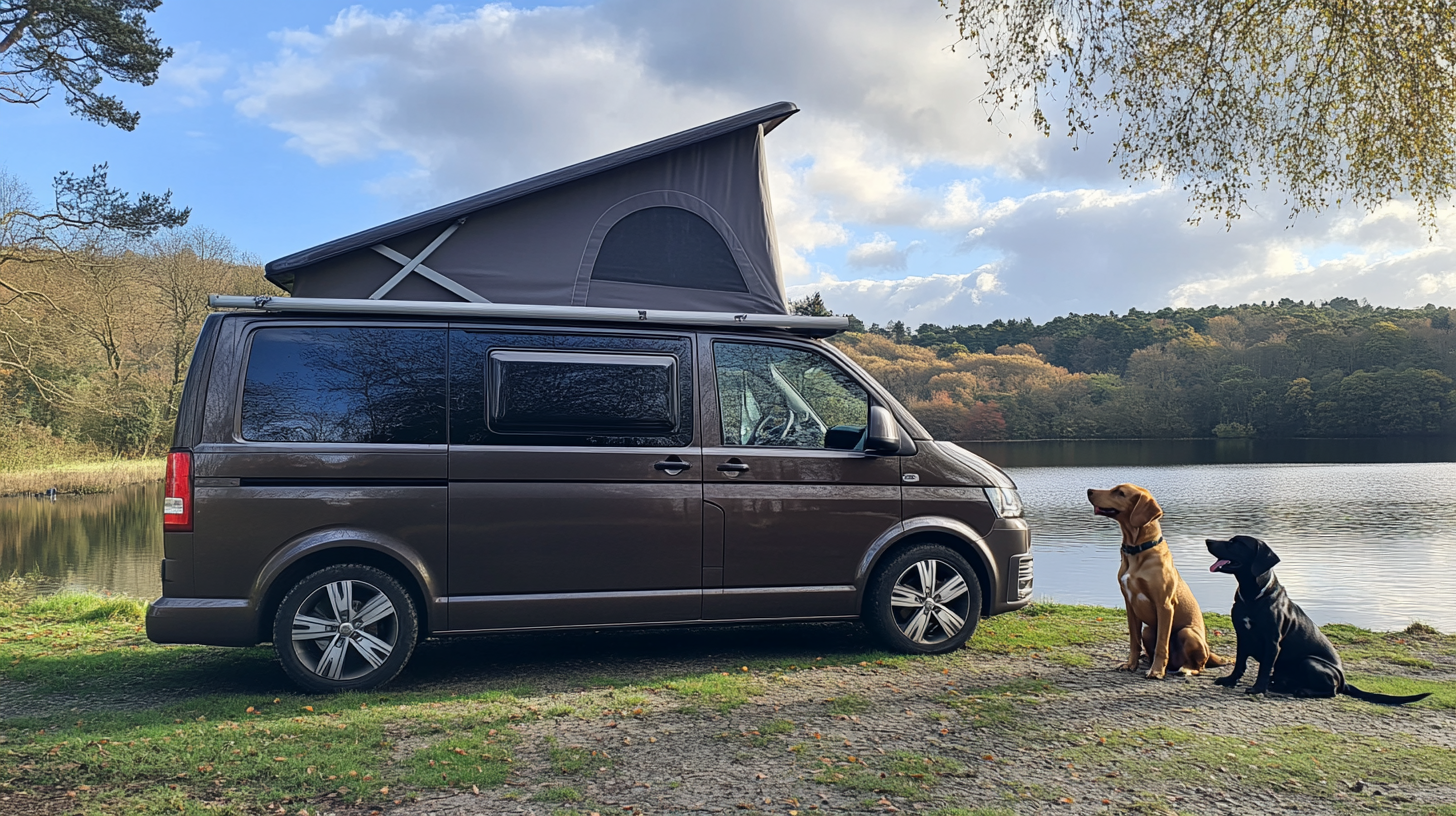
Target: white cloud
881,253
474,98
941,299
478,98
190,72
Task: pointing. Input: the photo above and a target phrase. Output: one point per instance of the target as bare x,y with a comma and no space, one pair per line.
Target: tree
76,44
1327,99
810,306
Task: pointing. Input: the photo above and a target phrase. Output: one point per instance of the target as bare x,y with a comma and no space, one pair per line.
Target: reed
86,477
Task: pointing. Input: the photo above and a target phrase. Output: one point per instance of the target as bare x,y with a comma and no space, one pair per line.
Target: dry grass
88,477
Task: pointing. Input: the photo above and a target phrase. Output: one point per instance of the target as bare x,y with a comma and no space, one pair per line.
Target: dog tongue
1220,562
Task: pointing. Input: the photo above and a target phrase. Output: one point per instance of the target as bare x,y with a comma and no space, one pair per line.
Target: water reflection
111,541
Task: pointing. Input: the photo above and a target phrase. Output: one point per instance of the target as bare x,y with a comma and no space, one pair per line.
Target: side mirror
884,435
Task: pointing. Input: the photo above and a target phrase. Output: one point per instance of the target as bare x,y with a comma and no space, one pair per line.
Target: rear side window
372,385
586,390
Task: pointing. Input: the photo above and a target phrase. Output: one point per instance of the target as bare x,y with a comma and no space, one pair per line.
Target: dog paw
1225,681
1255,690
1154,675
1131,665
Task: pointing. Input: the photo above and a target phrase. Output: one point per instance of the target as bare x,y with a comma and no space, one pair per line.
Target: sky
896,194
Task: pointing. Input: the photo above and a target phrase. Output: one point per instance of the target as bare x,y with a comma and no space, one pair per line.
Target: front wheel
924,600
345,627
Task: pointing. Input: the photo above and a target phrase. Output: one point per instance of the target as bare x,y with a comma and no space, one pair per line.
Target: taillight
177,505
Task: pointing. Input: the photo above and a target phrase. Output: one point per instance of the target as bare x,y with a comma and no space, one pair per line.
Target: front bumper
202,621
1010,541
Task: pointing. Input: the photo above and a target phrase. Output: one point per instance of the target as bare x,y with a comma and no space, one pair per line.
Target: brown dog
1163,619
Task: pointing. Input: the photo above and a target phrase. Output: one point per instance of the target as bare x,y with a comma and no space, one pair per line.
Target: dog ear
1264,558
1144,511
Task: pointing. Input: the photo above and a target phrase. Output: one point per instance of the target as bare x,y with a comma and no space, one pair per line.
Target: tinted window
553,392
784,397
563,389
345,385
668,246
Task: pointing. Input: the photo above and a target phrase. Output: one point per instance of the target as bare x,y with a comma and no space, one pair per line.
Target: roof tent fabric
683,222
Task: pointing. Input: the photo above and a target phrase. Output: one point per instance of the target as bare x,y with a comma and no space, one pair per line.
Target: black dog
1294,656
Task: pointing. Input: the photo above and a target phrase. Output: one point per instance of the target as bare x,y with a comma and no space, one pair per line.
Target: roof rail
814,326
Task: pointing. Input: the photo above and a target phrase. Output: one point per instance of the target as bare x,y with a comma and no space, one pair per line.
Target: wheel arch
957,535
326,548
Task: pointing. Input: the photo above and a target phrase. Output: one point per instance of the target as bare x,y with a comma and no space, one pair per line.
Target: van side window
784,397
554,392
383,385
562,389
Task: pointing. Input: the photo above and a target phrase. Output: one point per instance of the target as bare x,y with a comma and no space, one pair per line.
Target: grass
83,477
998,706
578,761
226,753
722,691
74,641
1045,629
899,773
1443,692
848,704
1302,758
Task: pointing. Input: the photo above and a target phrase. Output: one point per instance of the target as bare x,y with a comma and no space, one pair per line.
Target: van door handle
673,466
733,467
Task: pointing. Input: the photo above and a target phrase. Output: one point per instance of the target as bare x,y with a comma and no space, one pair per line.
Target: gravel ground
1057,744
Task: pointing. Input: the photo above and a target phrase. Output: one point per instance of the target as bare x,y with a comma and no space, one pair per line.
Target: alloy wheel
345,629
930,602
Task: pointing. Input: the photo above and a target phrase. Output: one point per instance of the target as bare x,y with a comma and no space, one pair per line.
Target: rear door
796,516
575,479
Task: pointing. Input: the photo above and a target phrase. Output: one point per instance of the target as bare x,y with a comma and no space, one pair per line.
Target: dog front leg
1241,664
1266,670
1164,634
1135,640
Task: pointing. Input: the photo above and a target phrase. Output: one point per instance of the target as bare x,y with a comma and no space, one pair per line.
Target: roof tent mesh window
345,385
668,246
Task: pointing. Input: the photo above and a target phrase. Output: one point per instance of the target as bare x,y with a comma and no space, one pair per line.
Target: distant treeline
1286,369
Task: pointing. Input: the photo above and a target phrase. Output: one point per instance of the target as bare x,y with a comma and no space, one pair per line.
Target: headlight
1006,501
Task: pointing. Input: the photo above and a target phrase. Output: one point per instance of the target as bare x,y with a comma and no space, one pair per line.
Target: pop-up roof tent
680,223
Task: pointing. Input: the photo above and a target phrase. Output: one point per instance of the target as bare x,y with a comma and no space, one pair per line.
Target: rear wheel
925,599
345,627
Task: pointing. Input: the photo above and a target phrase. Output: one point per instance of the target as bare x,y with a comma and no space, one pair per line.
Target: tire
323,648
896,608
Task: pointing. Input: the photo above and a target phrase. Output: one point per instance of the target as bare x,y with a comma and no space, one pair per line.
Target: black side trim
264,482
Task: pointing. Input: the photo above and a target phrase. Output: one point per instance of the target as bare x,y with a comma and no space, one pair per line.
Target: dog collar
1142,547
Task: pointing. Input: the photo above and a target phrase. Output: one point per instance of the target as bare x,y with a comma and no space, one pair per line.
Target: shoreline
81,478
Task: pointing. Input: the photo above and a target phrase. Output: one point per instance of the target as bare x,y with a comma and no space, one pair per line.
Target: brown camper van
389,455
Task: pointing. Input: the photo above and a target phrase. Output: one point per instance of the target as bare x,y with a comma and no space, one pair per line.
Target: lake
1366,528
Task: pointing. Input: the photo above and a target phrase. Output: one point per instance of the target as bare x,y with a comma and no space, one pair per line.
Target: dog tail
1215,661
1383,699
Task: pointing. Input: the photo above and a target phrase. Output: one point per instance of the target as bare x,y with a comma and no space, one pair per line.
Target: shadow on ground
541,662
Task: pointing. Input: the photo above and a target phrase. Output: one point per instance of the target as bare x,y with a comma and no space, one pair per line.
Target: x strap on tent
417,264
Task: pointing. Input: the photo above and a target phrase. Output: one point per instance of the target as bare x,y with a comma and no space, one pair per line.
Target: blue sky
287,124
